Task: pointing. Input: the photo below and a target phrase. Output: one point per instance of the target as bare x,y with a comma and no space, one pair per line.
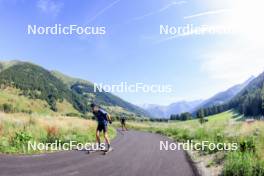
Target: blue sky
133,51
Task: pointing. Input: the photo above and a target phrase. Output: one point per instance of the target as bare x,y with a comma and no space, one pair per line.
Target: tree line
38,83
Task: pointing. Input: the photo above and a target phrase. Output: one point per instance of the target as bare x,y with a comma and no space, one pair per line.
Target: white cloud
158,11
242,54
51,7
213,12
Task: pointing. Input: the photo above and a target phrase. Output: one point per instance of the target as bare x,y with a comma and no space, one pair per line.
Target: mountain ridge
250,100
224,96
159,111
179,107
37,82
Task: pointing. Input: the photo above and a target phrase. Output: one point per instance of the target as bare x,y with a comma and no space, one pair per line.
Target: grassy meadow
20,103
16,130
227,127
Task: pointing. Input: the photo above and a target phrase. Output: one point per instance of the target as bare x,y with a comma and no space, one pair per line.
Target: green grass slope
86,89
37,83
56,90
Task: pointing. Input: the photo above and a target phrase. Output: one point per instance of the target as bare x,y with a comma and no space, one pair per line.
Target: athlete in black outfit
102,118
123,123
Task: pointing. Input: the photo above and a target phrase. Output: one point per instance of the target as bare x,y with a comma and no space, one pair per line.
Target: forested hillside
105,98
250,101
224,96
38,83
86,89
55,88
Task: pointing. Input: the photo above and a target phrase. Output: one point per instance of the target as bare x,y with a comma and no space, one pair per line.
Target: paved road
134,154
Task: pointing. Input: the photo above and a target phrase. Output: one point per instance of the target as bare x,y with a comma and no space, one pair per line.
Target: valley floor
228,127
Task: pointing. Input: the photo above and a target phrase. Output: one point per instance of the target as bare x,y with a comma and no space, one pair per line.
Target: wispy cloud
102,11
50,6
158,11
213,12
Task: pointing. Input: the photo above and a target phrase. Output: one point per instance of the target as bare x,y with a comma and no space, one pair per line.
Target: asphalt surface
134,154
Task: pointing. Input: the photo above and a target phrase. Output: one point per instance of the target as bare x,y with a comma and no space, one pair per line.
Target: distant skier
102,118
123,123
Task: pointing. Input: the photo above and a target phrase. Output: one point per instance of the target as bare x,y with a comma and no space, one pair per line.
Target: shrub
184,135
52,134
258,168
1,129
159,131
26,111
243,164
247,145
7,108
86,116
201,133
21,138
168,131
219,137
72,114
